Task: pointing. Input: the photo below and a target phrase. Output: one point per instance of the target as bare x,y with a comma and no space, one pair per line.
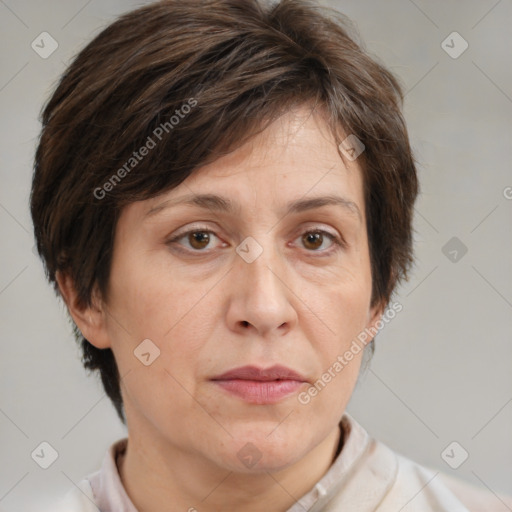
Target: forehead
292,166
299,141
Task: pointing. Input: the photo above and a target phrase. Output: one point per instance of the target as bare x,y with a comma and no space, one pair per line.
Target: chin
260,464
258,454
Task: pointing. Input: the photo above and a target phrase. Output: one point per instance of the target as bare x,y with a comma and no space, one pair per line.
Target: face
261,284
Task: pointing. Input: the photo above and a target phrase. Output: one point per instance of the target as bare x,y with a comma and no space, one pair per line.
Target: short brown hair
240,64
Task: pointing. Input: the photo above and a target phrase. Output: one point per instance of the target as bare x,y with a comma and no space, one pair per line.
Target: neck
181,481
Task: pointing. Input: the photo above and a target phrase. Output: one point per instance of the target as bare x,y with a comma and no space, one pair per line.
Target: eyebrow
223,204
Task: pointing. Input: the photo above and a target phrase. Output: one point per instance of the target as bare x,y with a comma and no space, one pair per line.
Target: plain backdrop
442,368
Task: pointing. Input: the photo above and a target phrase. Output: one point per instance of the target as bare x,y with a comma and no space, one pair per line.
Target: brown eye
194,241
312,240
198,239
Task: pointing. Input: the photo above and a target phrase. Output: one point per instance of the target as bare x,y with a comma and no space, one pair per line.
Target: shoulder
477,499
418,488
388,481
77,499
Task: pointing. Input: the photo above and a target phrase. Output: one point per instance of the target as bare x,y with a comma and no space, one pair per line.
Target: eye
314,240
198,239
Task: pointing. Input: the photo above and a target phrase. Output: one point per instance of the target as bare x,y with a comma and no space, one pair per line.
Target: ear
90,319
374,315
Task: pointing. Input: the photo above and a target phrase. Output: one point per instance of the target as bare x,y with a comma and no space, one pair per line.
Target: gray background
442,367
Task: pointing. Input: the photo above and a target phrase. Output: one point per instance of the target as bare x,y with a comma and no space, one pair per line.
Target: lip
276,372
260,386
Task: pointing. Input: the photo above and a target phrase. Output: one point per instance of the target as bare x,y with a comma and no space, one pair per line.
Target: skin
300,303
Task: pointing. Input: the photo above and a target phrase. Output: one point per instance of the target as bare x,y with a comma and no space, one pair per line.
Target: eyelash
338,243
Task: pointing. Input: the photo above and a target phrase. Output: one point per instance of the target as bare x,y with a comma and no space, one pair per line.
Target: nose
261,296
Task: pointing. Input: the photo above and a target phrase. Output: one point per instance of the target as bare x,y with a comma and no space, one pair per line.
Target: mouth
260,386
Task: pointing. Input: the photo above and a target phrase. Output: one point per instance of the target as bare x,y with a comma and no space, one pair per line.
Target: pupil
313,237
198,238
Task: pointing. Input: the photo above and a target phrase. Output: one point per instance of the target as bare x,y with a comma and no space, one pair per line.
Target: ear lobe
89,319
374,315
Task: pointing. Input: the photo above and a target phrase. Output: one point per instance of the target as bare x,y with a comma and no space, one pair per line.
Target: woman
223,196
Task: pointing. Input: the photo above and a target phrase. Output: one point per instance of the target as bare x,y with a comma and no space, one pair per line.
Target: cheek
341,308
338,351
172,316
161,396
149,298
149,303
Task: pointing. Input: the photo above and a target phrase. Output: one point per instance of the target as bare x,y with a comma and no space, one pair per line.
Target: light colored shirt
366,476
